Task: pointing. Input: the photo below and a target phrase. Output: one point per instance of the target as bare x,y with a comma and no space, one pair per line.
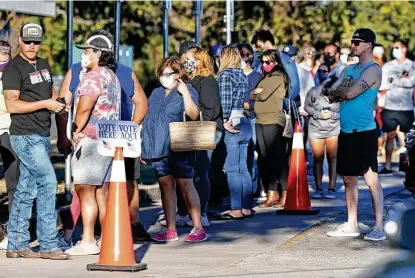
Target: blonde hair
229,58
205,66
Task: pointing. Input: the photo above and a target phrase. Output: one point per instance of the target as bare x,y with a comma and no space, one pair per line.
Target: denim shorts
178,164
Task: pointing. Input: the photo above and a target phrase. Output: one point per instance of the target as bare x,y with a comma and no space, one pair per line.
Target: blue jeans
252,164
239,179
37,180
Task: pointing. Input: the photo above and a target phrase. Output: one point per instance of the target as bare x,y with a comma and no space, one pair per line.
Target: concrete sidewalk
229,242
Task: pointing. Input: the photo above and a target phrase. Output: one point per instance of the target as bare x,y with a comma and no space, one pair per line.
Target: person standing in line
133,108
357,146
30,99
9,158
199,66
268,100
254,76
233,89
332,58
324,129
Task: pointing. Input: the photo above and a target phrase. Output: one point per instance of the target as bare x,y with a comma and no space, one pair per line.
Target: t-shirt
124,75
103,86
162,110
34,81
4,115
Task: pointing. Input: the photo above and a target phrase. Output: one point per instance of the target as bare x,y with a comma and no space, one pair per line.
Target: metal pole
69,18
229,21
198,10
166,7
117,18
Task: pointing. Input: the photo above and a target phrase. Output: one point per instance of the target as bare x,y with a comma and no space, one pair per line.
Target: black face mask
329,59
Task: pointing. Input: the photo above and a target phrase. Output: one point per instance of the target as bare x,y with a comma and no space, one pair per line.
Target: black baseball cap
31,32
186,46
366,35
97,42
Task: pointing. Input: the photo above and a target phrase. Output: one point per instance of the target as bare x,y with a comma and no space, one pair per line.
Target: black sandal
228,216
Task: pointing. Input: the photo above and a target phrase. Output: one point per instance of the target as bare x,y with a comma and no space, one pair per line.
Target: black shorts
357,152
132,168
391,119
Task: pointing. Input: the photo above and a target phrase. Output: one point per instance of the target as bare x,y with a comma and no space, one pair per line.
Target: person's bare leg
168,200
89,210
318,146
352,194
390,136
102,196
401,137
192,200
376,191
331,148
133,200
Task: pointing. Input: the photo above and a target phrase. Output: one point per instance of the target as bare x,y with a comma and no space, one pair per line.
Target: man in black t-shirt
30,99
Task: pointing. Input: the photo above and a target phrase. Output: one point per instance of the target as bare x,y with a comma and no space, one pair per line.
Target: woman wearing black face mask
324,128
270,122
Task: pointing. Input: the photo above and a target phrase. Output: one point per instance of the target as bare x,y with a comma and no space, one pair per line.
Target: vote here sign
111,134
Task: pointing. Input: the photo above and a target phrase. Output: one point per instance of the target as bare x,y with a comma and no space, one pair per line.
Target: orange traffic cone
117,251
298,196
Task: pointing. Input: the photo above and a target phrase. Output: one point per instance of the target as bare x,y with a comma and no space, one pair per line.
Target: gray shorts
88,166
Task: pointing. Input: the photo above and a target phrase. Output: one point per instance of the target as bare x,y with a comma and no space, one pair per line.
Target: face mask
189,65
243,64
3,66
397,53
268,68
85,60
322,76
329,59
344,57
168,82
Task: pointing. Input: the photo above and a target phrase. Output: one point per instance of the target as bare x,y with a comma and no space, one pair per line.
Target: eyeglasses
267,62
356,42
30,42
168,74
323,71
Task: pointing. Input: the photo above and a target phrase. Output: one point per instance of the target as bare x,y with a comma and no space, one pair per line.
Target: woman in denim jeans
233,89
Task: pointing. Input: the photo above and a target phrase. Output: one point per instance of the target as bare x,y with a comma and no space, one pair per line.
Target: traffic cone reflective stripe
298,196
117,250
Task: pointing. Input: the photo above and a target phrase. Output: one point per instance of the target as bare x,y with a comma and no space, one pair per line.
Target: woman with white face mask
166,105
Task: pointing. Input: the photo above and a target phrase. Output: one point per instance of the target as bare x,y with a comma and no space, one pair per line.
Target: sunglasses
267,62
357,42
168,74
323,71
30,42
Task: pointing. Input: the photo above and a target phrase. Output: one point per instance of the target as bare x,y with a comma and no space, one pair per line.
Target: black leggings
273,162
10,165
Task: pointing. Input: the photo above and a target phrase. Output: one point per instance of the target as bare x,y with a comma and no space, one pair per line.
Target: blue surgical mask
397,53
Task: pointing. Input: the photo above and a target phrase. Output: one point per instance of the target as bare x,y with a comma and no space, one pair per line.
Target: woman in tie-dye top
98,97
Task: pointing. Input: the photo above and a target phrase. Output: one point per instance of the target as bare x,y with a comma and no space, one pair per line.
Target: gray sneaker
318,194
375,234
330,194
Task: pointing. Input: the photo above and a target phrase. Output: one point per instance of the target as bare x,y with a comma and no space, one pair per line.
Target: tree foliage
296,22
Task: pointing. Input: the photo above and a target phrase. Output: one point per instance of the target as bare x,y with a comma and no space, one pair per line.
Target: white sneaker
401,150
3,243
83,249
375,234
345,230
180,221
203,220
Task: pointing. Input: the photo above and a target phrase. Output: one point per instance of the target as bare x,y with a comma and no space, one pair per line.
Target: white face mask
243,64
397,53
168,82
85,60
344,57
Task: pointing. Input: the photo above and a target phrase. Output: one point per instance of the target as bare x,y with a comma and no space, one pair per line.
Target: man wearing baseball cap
357,147
30,99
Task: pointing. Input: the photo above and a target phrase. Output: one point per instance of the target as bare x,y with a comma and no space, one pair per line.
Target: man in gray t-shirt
398,82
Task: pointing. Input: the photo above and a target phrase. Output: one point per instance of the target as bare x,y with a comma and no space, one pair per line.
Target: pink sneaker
196,235
166,235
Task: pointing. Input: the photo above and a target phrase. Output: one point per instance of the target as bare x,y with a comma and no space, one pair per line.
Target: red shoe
196,235
166,235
